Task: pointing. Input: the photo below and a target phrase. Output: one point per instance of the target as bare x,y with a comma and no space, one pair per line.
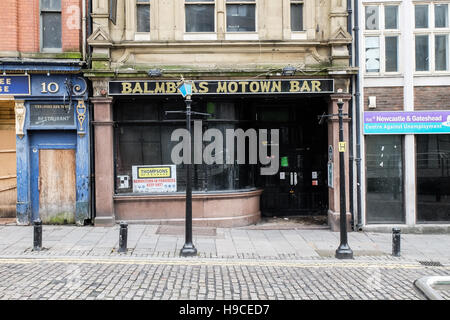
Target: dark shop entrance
300,187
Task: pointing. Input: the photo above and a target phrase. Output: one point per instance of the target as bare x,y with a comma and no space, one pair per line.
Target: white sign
161,178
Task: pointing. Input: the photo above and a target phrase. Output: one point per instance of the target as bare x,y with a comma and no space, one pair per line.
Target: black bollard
396,242
37,235
123,236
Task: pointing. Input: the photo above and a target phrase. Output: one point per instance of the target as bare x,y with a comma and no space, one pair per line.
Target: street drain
179,230
431,263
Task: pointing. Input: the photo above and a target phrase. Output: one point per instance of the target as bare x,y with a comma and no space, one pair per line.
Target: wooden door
57,187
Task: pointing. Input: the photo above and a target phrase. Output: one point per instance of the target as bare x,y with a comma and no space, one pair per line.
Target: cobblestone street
208,279
83,263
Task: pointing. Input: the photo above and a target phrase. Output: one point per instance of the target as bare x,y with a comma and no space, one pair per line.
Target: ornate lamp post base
188,250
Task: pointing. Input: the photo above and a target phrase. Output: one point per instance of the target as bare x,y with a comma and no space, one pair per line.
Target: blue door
52,156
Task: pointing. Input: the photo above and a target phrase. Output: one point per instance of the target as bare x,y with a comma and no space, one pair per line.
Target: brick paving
213,279
83,263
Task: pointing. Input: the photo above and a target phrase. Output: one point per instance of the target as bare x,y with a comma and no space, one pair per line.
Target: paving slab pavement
230,243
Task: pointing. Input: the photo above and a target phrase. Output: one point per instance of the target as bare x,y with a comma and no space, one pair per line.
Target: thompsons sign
312,86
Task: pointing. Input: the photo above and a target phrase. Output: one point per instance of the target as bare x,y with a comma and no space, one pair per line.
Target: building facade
45,110
262,65
405,78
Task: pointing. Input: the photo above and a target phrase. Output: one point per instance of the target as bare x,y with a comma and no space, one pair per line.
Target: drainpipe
350,115
357,118
83,28
91,117
89,27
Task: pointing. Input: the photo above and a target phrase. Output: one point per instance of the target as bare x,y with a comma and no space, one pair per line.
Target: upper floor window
50,24
143,15
200,15
296,15
381,38
431,36
241,15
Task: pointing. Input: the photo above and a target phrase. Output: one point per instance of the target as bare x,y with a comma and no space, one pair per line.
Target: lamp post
188,249
343,251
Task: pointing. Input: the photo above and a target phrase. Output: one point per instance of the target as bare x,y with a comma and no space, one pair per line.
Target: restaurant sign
413,122
51,115
216,87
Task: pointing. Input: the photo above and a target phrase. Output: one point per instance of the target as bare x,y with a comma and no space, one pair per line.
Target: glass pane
143,18
384,165
391,17
421,13
372,54
200,18
433,177
50,4
441,53
422,53
391,44
441,15
241,18
372,18
51,33
296,17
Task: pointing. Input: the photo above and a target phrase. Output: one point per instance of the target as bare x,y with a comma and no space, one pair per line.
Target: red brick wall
20,25
71,25
28,25
388,98
8,25
432,98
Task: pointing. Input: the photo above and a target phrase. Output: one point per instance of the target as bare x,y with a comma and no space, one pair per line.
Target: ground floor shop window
433,178
384,173
143,138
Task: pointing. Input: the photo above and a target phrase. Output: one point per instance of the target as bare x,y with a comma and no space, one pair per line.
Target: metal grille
431,263
179,230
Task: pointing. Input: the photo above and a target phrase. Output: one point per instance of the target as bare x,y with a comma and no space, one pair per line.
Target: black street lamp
188,248
343,251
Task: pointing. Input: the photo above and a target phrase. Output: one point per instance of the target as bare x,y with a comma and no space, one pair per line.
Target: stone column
333,140
104,161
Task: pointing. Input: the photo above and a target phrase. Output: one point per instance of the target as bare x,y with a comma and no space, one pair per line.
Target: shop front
407,186
52,142
269,153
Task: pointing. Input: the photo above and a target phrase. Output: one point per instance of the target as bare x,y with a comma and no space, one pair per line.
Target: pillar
104,161
333,140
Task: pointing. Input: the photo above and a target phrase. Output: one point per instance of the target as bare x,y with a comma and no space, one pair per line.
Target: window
441,16
51,24
199,15
433,177
422,53
241,15
142,136
431,37
143,15
384,174
296,15
421,16
381,38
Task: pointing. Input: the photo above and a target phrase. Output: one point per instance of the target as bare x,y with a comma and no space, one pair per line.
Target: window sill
200,36
298,35
142,36
182,195
242,36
